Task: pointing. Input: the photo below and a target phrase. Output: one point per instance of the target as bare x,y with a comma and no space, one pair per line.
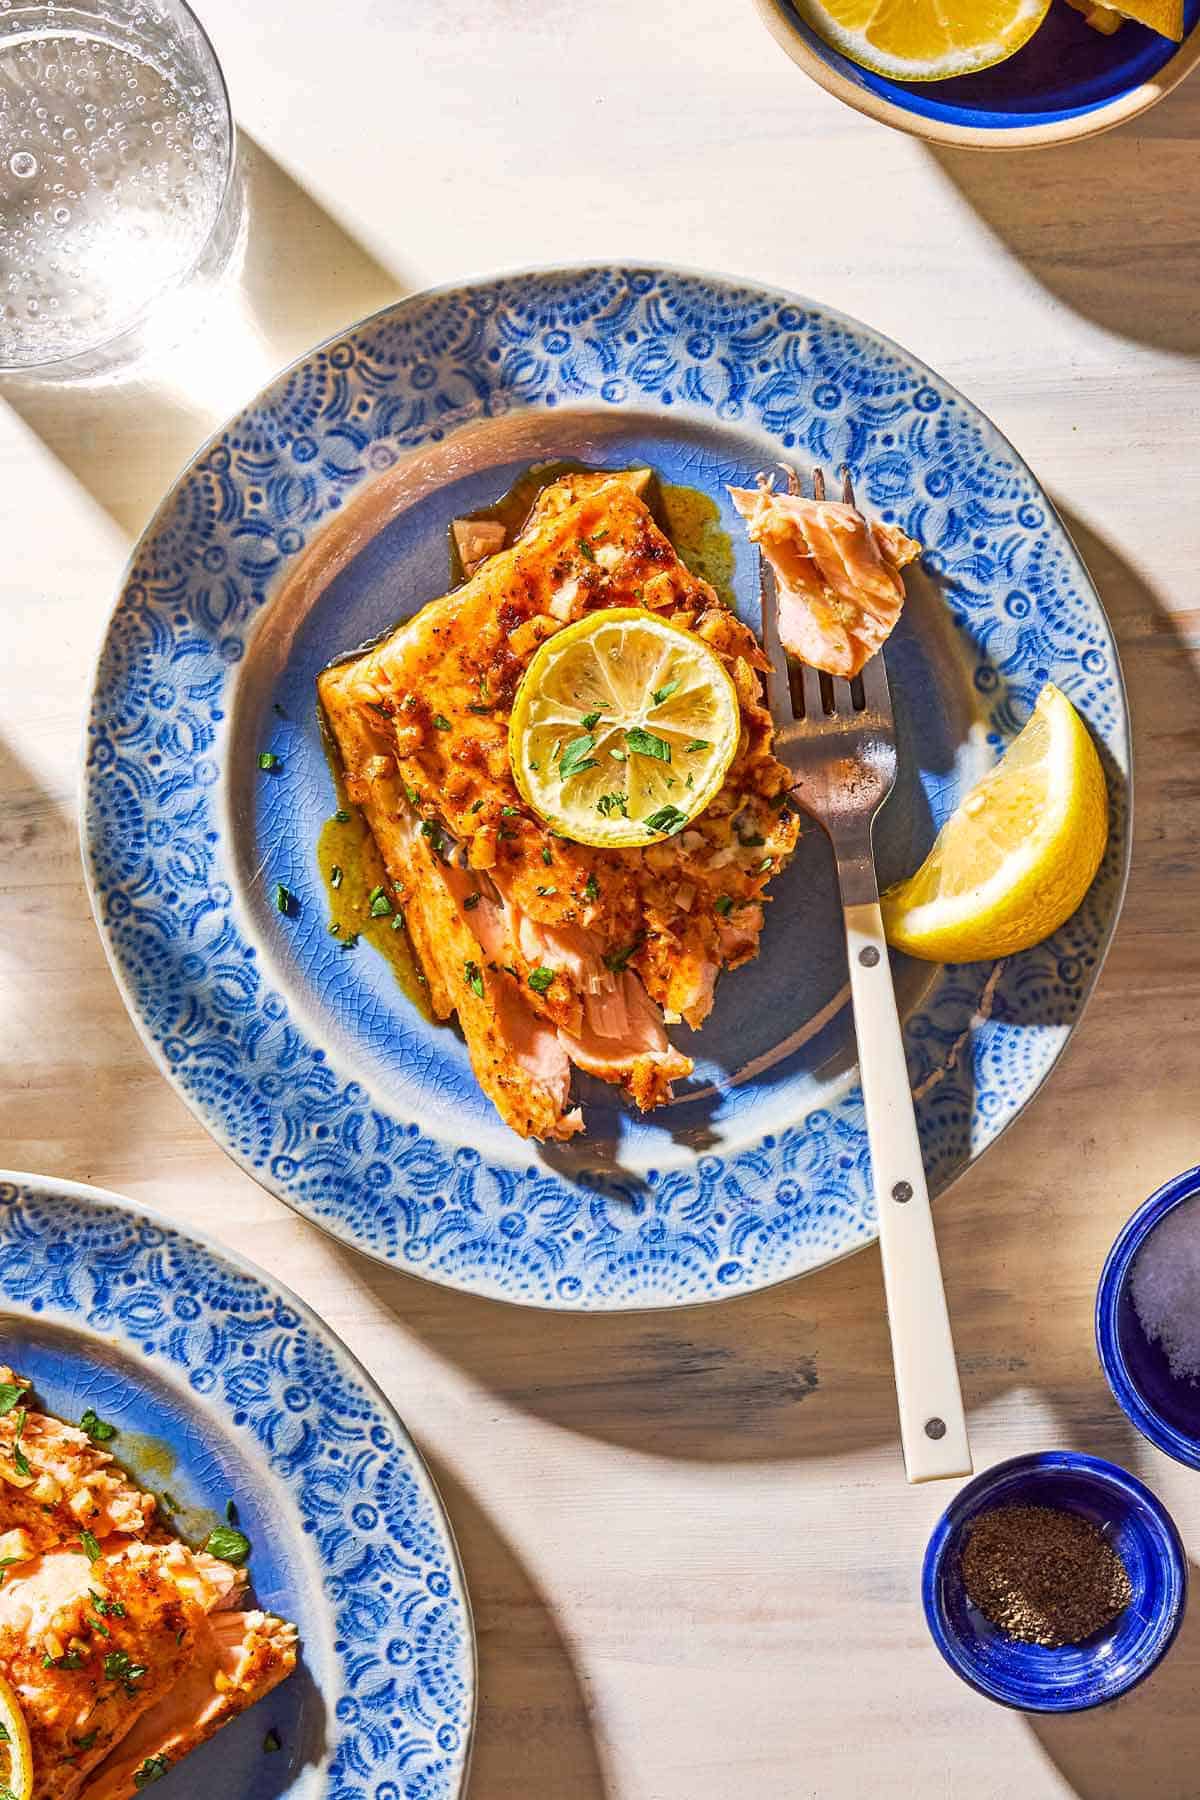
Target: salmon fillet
59,1482
236,1659
837,576
632,939
122,1645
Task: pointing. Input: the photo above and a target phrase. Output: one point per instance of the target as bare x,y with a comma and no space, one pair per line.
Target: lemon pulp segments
622,728
1015,859
20,1753
925,40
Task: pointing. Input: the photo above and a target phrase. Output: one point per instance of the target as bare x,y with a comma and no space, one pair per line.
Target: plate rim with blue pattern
111,1287
392,392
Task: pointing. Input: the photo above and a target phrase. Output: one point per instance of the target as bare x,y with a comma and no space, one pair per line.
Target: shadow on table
1147,1743
533,1731
1107,225
299,277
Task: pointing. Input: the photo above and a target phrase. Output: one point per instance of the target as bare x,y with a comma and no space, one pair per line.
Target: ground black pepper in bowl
1043,1575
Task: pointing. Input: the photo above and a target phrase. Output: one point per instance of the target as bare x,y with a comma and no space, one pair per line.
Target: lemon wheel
15,1745
924,40
1015,859
622,728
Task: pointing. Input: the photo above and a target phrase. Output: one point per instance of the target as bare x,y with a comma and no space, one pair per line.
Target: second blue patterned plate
315,520
221,1384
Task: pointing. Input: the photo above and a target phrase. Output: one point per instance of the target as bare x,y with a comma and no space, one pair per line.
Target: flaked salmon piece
494,898
88,1646
837,575
71,1485
476,540
236,1659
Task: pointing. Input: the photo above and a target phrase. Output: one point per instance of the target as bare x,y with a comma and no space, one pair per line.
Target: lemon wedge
16,1742
622,728
1017,856
924,40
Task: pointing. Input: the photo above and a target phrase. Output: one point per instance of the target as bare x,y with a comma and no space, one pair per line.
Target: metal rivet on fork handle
868,957
935,1428
902,1192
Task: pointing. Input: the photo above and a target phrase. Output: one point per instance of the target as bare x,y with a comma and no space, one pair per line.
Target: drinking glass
117,185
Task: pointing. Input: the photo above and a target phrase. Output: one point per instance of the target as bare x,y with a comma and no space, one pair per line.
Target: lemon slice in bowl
924,40
1017,856
622,728
16,1743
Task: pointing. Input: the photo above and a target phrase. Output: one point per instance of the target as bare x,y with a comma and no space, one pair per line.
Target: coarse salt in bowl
1148,1318
1071,1677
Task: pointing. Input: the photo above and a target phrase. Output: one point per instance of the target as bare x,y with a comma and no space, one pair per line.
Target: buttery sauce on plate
350,864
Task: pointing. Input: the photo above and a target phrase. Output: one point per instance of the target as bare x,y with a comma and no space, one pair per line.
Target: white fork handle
933,1430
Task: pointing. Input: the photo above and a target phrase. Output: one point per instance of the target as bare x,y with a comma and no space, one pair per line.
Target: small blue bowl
1165,1408
1028,1676
1067,82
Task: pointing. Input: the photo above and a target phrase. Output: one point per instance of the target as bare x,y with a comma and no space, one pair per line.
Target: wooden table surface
693,1558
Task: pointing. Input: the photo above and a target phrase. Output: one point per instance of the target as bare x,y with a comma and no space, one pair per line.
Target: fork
838,742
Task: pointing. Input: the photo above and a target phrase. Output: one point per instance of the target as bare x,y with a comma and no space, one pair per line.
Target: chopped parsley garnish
153,1769
72,1660
698,744
619,755
268,760
414,799
510,812
429,829
4,1737
398,922
91,1545
471,902
106,1608
272,1742
546,891
441,722
764,865
473,977
724,905
540,979
20,1462
379,904
342,816
591,888
231,1511
86,1743
753,842
228,1544
118,1667
585,550
335,876
99,1430
665,691
667,819
170,1502
95,1625
577,757
10,1394
590,720
6,1563
285,900
477,806
647,744
618,960
349,943
473,708
608,804
597,535
547,856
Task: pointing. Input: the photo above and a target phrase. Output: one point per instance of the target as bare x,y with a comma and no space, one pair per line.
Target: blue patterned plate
315,520
222,1384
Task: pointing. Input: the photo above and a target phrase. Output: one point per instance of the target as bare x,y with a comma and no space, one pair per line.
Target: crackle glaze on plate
315,520
223,1385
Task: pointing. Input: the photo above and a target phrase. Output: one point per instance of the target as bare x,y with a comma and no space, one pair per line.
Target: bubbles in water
133,143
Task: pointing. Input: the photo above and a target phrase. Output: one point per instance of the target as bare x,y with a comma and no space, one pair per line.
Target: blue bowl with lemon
1005,76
